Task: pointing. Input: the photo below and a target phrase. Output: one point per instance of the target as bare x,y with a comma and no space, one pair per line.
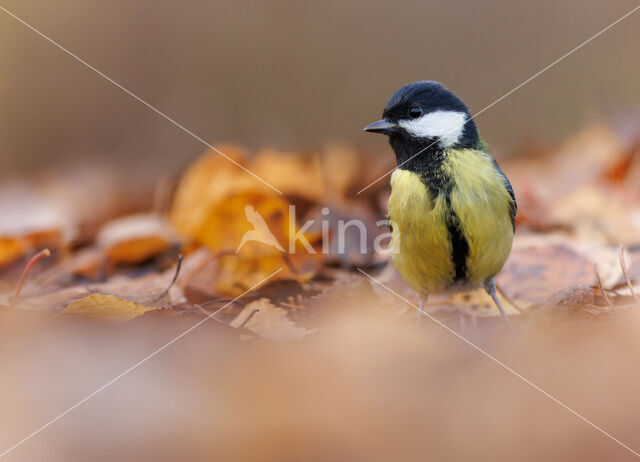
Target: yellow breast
421,240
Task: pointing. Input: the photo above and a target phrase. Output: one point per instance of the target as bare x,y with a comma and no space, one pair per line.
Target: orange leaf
135,238
11,249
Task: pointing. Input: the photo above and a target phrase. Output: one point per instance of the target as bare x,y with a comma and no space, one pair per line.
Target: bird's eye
415,112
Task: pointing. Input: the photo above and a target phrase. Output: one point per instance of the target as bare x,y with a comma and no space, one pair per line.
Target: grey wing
514,204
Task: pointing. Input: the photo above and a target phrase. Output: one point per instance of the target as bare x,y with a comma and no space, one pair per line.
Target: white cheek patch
446,125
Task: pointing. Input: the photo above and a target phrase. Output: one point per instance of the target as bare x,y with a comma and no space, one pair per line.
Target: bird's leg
490,287
423,299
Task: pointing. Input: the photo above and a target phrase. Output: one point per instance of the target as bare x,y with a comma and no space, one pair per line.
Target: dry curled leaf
252,225
135,238
206,182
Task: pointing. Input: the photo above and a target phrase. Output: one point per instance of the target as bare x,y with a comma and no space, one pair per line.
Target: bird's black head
425,116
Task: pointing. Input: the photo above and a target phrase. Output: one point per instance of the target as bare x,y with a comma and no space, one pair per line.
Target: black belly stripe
459,244
439,183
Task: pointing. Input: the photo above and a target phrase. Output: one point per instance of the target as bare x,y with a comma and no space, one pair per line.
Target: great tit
453,210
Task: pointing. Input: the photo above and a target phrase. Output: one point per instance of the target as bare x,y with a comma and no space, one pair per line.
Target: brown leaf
597,211
570,301
532,275
269,322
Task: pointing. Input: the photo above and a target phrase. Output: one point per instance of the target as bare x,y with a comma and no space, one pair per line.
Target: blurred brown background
294,75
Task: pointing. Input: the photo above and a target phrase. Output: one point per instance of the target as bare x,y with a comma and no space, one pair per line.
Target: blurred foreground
367,387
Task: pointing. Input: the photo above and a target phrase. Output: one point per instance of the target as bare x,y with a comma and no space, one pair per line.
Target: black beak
381,126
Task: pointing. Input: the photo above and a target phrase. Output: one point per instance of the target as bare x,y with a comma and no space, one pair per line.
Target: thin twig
173,281
202,310
604,293
623,265
251,315
36,258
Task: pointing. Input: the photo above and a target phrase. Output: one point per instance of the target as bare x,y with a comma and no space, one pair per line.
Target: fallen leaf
206,182
479,303
106,307
578,161
31,220
145,290
570,301
228,216
269,321
541,265
11,249
50,301
340,167
292,173
597,211
136,238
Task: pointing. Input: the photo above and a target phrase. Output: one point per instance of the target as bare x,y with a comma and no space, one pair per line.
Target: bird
452,210
260,231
